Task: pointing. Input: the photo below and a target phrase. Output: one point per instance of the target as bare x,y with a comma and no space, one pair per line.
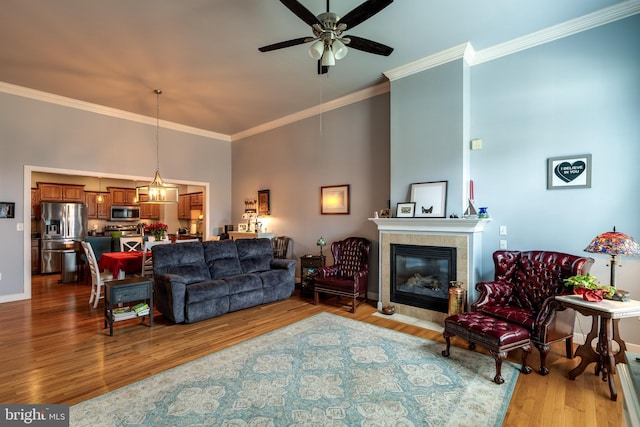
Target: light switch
20,226
476,144
503,230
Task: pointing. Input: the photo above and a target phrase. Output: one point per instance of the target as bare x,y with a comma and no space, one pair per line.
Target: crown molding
601,17
461,51
352,98
105,111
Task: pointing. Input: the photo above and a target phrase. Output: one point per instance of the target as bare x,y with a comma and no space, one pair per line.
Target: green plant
590,282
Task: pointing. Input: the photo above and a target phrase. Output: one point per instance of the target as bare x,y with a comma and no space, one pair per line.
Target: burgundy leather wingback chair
349,274
523,293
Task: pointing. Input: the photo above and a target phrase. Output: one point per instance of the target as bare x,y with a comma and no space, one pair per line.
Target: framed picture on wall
430,199
7,210
569,172
264,202
334,199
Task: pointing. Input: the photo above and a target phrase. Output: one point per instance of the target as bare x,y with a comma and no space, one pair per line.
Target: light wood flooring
54,350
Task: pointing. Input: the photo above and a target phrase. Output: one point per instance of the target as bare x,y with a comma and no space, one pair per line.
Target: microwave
125,213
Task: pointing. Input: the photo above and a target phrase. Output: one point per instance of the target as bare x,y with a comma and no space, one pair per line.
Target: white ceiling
204,54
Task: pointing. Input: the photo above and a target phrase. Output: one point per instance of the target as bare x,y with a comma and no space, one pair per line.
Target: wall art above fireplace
430,199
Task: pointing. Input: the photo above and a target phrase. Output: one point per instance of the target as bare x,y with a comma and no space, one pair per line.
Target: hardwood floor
55,350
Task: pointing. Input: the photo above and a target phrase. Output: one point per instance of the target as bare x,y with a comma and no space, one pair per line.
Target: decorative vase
159,235
483,213
592,295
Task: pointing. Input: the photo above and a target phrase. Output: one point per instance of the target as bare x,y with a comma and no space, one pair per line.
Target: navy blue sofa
196,281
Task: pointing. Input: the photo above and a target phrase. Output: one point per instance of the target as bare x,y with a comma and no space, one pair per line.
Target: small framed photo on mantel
406,210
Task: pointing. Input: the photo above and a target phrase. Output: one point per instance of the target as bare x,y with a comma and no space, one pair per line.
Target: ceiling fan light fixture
316,49
339,49
328,59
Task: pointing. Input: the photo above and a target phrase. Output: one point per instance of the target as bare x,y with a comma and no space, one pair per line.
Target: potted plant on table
590,288
157,229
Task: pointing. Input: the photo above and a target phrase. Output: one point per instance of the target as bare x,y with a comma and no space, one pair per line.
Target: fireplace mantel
462,233
451,225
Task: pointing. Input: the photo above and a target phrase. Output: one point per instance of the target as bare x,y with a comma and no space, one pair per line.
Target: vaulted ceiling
204,54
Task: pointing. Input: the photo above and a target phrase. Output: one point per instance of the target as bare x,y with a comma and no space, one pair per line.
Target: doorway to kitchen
77,175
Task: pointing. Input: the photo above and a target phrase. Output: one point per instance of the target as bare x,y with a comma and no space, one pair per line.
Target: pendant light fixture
157,191
99,198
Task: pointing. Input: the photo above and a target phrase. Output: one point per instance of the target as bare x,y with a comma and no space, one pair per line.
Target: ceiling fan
329,44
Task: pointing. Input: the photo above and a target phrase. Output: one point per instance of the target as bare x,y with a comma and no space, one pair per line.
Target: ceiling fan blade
369,46
322,69
301,12
363,12
284,44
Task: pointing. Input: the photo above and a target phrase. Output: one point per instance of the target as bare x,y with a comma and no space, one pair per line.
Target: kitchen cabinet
151,211
51,192
123,196
35,203
196,201
35,256
98,210
184,206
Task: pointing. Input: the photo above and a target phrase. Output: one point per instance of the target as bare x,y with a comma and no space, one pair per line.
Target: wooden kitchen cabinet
35,256
196,201
98,210
51,192
35,203
123,196
151,211
184,206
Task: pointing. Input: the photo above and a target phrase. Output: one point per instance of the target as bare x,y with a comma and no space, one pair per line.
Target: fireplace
459,246
420,275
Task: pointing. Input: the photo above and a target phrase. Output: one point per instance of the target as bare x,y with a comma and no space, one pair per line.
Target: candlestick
471,190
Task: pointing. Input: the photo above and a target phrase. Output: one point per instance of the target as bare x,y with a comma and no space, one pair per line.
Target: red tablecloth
129,262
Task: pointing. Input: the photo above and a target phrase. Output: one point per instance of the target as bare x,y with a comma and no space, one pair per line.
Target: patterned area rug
324,370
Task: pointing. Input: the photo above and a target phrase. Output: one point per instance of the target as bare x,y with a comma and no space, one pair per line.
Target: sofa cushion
184,259
222,258
521,316
243,283
211,289
255,254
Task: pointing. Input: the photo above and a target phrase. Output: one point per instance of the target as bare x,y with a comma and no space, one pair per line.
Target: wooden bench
497,336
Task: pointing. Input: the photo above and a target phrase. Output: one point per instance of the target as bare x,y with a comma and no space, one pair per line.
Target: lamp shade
339,49
614,243
316,49
327,58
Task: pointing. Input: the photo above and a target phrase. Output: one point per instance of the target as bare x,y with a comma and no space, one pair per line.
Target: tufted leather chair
349,274
523,291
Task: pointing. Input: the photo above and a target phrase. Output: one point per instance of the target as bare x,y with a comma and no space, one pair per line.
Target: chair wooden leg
353,304
96,297
315,297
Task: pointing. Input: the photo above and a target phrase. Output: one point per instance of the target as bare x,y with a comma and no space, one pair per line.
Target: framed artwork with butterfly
569,172
430,199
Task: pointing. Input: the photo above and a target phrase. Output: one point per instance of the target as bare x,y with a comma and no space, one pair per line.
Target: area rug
324,370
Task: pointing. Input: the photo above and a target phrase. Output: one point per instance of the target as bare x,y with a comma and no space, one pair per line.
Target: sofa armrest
493,293
170,292
283,264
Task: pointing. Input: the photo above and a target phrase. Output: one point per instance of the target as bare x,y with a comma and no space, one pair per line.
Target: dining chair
147,256
97,278
280,246
130,244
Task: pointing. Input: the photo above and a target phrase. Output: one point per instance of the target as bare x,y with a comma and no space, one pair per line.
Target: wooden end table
127,290
604,325
309,265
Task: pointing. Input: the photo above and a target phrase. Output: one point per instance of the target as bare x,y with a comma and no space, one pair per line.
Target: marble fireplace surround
463,234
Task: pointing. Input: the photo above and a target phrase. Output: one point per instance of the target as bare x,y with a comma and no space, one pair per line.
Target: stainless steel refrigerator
62,227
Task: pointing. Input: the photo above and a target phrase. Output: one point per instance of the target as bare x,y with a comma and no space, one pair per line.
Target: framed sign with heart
569,172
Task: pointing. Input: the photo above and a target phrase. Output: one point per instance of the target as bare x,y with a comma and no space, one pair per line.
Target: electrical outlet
503,230
503,244
1,279
20,226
